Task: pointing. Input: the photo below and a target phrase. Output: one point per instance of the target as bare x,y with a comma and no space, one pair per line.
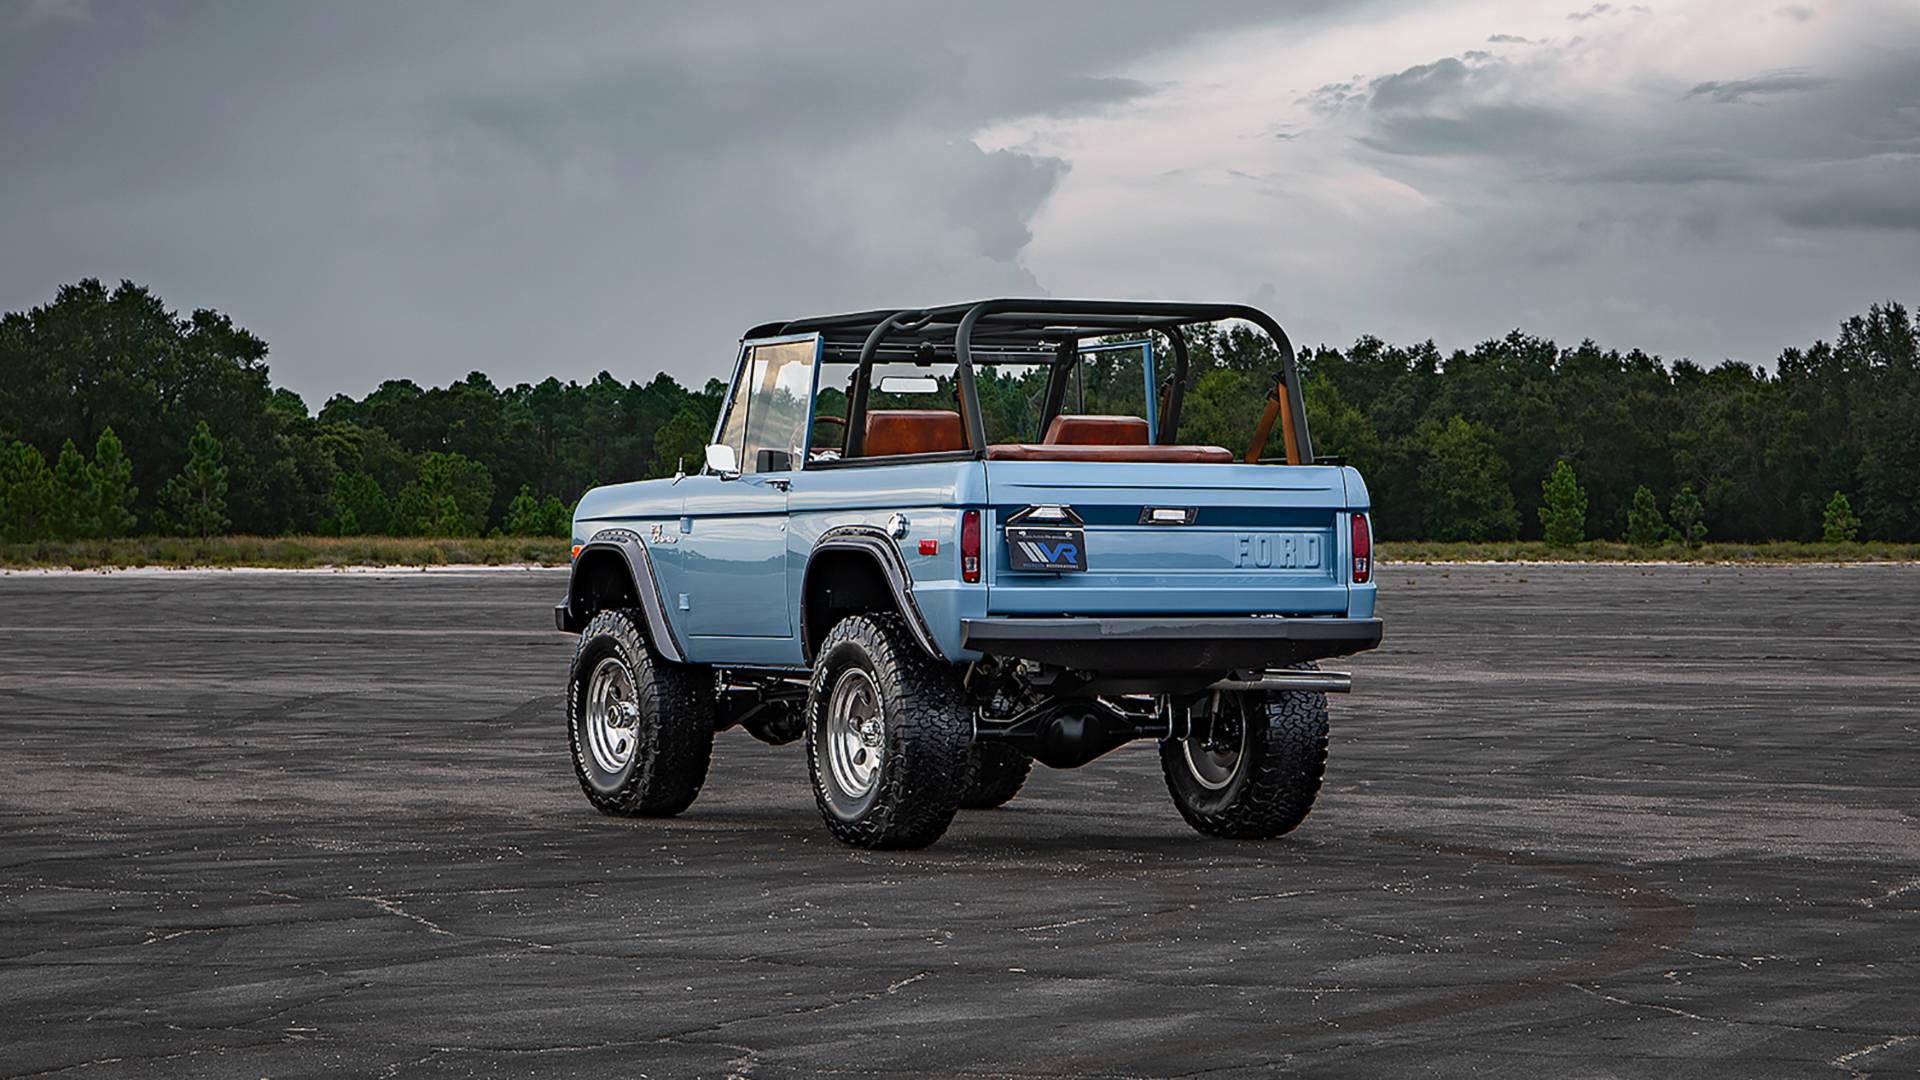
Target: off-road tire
927,731
674,736
995,772
1276,779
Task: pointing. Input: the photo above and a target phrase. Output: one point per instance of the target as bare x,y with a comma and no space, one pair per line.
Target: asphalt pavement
1580,822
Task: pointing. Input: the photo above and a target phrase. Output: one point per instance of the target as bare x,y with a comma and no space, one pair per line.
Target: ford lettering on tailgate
1277,551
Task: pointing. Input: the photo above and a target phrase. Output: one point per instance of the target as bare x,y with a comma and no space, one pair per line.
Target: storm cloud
426,189
1700,179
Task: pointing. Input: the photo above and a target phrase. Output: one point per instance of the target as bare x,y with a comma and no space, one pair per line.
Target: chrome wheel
613,715
856,733
1215,760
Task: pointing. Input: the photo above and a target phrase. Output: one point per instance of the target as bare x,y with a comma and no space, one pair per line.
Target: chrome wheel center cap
624,714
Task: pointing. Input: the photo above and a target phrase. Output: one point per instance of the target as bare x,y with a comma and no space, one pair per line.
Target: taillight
1362,550
970,547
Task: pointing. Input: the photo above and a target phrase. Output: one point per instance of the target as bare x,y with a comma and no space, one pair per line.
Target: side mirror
722,461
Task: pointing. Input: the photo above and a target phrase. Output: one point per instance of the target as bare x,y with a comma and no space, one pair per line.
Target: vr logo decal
1046,550
1065,551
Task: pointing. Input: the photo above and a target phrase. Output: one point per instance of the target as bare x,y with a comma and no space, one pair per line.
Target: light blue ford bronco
942,544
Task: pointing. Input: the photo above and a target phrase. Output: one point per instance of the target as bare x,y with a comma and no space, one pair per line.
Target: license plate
1046,549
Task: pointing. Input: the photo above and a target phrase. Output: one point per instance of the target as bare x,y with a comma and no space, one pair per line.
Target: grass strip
284,552
1605,551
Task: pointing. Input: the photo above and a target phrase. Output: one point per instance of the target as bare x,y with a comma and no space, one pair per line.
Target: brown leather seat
912,431
1097,431
1188,455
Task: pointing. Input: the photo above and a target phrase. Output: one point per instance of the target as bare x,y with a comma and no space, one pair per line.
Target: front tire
888,734
640,727
1255,772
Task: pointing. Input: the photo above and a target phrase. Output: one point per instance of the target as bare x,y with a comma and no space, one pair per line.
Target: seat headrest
1097,431
912,431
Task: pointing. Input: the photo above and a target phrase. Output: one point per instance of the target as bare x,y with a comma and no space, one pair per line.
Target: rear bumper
1154,644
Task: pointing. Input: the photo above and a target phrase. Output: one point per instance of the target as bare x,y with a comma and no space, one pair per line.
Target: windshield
770,406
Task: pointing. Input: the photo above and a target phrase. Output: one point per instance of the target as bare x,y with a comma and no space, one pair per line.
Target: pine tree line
1515,438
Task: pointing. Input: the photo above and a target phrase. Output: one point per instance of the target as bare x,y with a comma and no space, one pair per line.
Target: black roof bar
1026,322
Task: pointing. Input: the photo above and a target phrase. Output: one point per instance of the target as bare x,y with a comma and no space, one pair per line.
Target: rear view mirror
910,384
722,460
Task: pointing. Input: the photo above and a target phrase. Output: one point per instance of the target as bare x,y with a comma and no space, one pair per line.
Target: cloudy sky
419,189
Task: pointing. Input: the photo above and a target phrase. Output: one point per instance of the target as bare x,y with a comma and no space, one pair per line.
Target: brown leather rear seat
912,431
1097,431
1192,455
1104,438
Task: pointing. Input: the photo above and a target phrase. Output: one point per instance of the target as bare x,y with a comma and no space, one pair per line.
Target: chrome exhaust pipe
1324,682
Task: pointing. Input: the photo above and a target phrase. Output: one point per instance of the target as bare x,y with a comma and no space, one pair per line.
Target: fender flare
877,546
639,565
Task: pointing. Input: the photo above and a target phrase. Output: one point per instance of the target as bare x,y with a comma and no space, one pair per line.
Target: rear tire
887,736
995,772
640,727
1261,780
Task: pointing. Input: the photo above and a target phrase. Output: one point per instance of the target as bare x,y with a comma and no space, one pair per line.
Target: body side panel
931,496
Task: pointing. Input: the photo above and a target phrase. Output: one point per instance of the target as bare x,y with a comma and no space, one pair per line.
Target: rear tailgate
1261,539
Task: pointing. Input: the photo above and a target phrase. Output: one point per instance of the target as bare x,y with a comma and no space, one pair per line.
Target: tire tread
1287,769
930,731
676,731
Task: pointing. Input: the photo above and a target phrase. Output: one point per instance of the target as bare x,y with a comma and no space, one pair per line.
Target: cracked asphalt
1580,822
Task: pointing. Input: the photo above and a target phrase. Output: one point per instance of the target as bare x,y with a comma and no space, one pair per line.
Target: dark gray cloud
1677,165
1879,192
1735,91
423,189
1420,86
1455,106
1482,130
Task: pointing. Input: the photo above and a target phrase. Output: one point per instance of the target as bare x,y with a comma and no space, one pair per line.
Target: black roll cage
1051,330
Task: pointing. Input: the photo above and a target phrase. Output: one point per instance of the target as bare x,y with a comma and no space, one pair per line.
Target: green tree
443,518
9,473
360,507
1686,513
1645,526
523,515
1463,484
680,444
72,516
1838,525
1339,428
195,501
28,494
1563,507
556,517
110,486
449,497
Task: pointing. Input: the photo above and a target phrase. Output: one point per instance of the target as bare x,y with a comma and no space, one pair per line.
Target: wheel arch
855,569
613,570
